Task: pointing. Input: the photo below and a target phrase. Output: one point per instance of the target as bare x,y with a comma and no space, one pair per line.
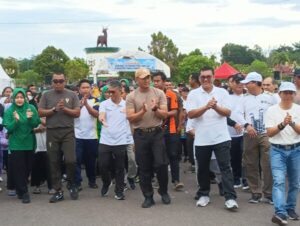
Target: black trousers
21,168
113,155
41,170
203,156
236,153
190,148
151,157
173,151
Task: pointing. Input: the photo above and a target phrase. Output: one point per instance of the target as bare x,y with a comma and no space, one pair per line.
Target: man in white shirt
208,107
86,135
256,143
113,139
283,128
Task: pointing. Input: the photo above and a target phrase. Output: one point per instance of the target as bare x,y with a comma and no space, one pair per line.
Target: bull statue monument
102,39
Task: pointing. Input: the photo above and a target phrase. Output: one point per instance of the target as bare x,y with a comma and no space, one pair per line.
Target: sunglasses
111,92
288,92
58,81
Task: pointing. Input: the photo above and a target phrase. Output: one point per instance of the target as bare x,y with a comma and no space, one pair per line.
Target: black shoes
58,196
73,192
131,183
256,198
165,198
120,196
26,198
104,190
148,202
93,185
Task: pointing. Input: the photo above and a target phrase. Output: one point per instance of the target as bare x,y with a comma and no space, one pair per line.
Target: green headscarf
103,91
20,109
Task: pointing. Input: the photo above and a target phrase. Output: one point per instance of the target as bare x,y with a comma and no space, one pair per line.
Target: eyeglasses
206,77
58,81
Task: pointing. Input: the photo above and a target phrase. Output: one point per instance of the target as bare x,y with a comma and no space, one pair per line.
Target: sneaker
165,198
148,202
79,187
137,179
245,185
37,190
93,185
237,183
231,204
26,198
11,192
203,201
73,192
268,199
178,186
104,190
256,198
292,215
120,196
125,187
279,219
155,184
0,189
58,196
51,191
131,183
1,179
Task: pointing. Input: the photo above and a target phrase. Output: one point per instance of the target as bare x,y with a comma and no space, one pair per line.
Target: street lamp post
91,64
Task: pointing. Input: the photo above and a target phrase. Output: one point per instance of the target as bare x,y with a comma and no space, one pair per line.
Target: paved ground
91,209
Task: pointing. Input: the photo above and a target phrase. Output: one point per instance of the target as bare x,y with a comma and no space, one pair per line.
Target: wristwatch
292,124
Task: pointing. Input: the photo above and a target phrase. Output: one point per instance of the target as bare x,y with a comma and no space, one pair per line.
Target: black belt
286,147
149,130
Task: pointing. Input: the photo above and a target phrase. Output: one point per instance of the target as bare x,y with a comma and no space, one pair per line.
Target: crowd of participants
243,135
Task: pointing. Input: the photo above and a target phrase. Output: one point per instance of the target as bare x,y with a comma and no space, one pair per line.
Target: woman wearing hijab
20,119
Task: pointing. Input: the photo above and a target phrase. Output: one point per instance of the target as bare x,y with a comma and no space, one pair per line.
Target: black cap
297,72
238,77
185,89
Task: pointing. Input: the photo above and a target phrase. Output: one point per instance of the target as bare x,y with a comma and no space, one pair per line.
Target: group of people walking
248,139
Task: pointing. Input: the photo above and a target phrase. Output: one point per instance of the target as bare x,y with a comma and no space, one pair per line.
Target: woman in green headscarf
20,119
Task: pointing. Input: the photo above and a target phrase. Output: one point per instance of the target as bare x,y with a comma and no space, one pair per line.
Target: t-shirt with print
59,119
136,99
275,115
253,108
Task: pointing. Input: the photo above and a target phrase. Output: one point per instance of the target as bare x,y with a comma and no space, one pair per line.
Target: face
123,93
29,95
230,82
158,82
169,85
32,89
237,87
144,83
7,92
268,85
58,82
184,94
206,79
114,93
85,89
287,96
19,100
251,87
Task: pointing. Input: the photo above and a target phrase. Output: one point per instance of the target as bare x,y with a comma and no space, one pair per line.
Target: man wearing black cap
297,84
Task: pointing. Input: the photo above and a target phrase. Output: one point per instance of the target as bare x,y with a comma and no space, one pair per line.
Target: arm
46,112
93,112
161,112
222,111
75,113
230,122
135,117
197,112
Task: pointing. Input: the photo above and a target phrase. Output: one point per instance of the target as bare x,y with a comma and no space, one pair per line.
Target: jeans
173,151
285,162
203,156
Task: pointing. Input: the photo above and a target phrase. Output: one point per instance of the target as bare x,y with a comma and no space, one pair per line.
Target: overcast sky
28,26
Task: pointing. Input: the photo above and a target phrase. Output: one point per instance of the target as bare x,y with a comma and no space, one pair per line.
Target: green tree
237,54
49,61
164,49
29,77
76,69
192,63
279,58
25,64
11,67
260,67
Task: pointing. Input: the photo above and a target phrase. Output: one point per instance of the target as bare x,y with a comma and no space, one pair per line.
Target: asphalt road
91,209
